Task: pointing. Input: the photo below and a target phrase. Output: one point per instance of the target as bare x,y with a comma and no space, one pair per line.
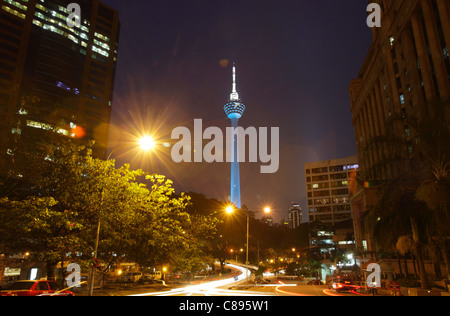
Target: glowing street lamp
229,210
147,143
164,269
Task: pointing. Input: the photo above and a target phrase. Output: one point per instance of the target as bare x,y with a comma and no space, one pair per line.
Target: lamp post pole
248,237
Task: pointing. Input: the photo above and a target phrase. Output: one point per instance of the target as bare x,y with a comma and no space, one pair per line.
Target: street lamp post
147,144
248,236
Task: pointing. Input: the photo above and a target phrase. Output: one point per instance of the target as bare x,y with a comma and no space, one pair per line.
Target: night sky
294,59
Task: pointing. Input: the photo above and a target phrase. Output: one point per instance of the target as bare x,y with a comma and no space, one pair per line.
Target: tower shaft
235,170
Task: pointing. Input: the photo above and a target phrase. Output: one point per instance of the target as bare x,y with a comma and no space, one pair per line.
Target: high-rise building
295,215
56,77
406,69
234,110
328,189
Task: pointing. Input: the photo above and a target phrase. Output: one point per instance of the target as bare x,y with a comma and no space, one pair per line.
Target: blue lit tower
234,110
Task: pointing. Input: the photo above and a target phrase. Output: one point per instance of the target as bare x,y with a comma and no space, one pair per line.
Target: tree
435,192
36,226
66,195
419,152
405,245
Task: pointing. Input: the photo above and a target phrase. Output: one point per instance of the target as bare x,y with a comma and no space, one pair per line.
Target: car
315,282
342,284
7,281
35,288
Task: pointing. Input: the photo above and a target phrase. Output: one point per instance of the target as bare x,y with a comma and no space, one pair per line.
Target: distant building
326,239
56,79
268,221
295,215
328,189
321,239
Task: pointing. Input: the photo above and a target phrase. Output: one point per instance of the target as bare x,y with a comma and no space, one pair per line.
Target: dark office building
295,215
406,71
56,79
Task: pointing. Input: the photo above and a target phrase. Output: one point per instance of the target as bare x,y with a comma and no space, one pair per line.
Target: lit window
14,12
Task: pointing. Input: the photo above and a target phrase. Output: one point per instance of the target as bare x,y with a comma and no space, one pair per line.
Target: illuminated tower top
234,108
234,95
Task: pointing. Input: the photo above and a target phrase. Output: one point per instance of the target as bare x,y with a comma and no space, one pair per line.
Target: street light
146,143
164,273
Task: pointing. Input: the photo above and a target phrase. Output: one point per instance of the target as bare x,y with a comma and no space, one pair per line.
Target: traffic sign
395,286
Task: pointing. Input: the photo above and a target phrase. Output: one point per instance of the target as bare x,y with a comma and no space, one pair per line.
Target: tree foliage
64,193
414,201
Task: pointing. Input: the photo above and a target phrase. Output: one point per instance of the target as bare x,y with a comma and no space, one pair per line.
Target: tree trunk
413,257
445,256
405,259
222,264
51,265
423,274
418,249
399,263
63,273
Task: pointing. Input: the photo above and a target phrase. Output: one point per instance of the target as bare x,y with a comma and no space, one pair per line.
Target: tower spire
234,95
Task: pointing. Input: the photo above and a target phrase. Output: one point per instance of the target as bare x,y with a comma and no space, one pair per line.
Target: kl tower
234,110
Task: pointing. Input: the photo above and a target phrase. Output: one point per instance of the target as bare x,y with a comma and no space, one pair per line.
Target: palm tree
405,245
397,213
414,200
435,188
436,194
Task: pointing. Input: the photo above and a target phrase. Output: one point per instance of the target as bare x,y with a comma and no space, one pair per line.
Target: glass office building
56,77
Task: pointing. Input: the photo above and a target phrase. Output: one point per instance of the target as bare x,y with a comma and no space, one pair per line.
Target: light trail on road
287,292
211,288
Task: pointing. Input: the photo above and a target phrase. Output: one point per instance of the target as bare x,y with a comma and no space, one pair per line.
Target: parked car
150,277
35,288
342,284
315,282
132,277
7,281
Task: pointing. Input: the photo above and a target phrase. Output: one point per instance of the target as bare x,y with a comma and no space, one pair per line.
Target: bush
405,282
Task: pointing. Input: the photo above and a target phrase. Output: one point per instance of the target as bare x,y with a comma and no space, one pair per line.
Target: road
214,288
222,288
